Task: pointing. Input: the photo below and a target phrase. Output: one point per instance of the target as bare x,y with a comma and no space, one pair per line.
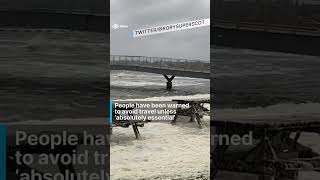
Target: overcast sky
137,14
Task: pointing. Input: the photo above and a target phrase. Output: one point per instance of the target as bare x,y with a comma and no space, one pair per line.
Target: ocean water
249,78
138,85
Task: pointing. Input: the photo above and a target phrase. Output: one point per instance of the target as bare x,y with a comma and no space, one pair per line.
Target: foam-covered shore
165,151
182,151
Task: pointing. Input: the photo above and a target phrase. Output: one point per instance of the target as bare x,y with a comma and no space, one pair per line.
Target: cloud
189,44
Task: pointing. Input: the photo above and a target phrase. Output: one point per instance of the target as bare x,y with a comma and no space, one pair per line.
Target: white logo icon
115,26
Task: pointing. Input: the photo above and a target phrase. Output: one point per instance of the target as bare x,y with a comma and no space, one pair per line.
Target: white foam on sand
278,110
170,98
178,151
165,151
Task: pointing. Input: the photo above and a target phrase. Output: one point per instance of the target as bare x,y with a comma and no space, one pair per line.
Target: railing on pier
161,63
